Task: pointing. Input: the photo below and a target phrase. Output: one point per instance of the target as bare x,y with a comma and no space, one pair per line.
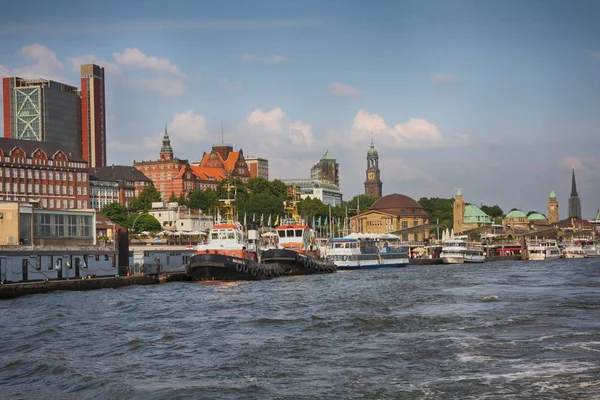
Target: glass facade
54,225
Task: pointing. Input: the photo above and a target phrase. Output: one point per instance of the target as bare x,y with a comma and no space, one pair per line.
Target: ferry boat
356,253
573,251
457,251
228,255
296,251
589,246
543,249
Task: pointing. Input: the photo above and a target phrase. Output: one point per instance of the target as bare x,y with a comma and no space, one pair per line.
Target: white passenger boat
573,251
457,251
349,253
543,249
474,254
589,246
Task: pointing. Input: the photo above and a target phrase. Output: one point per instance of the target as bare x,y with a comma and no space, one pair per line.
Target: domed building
515,222
468,216
392,213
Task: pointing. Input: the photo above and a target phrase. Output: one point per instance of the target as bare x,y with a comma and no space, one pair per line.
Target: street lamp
134,221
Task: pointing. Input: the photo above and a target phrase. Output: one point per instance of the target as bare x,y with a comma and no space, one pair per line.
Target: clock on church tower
373,184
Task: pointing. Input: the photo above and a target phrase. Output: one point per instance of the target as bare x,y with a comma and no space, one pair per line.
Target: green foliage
173,198
202,200
262,203
360,201
115,213
143,222
148,196
439,209
494,211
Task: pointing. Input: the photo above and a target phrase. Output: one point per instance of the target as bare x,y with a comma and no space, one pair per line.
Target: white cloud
109,67
341,89
3,71
273,58
166,86
187,127
283,135
228,84
134,58
45,63
443,79
414,133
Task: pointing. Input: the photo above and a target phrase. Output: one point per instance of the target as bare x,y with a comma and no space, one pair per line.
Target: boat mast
291,205
228,207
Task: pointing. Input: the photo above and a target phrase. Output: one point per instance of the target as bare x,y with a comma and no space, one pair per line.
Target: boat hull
371,261
219,267
296,263
474,259
453,260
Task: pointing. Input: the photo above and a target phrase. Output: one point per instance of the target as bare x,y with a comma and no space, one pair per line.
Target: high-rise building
373,184
93,115
574,200
259,167
326,170
42,110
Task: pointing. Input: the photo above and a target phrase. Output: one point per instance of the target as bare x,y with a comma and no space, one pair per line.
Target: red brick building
169,174
93,115
220,163
47,173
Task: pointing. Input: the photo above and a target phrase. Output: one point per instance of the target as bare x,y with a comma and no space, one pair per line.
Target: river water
499,330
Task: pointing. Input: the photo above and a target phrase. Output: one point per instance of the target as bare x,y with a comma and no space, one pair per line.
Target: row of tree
262,197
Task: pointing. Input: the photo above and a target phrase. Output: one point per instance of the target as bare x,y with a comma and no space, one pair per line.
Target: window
22,188
64,176
51,203
64,203
79,190
70,177
71,190
71,204
14,172
43,189
43,174
29,174
64,190
50,175
78,203
29,187
84,190
50,263
50,189
85,204
22,173
36,188
36,174
79,177
44,203
83,177
57,189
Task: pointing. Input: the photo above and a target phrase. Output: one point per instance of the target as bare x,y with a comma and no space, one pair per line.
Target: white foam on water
472,358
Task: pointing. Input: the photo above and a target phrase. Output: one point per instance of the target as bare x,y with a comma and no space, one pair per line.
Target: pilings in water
524,250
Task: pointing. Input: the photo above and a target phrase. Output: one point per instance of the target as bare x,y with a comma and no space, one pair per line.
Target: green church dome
537,217
516,214
552,195
474,215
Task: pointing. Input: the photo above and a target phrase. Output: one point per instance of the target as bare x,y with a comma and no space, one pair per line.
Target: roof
516,214
103,222
552,195
537,217
208,173
216,168
30,146
328,156
398,204
458,192
118,173
474,214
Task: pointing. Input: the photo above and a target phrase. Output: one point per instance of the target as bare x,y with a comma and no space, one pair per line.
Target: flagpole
330,231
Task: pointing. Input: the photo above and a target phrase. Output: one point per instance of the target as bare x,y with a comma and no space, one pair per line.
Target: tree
439,209
360,201
263,204
202,200
278,188
143,222
494,211
258,185
148,196
116,213
173,198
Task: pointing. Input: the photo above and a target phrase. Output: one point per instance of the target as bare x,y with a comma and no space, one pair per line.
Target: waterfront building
176,218
115,184
326,170
259,167
595,223
328,193
391,213
49,174
373,184
468,216
93,115
42,110
169,174
222,162
553,208
26,225
574,200
515,223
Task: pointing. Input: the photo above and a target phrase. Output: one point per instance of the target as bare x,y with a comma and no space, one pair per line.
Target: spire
166,151
574,186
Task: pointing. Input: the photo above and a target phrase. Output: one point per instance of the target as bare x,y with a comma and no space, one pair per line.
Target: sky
498,98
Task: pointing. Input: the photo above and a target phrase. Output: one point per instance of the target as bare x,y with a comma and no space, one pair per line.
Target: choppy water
500,330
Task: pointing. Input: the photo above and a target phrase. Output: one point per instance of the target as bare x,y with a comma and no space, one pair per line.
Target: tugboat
296,253
228,255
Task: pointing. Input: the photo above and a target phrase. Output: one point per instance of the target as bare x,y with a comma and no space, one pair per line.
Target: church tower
373,184
166,151
574,200
552,209
459,212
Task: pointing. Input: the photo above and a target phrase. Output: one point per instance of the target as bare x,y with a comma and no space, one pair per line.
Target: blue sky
498,98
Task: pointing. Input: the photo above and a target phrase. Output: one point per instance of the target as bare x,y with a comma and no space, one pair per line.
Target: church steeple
573,186
166,151
373,184
574,200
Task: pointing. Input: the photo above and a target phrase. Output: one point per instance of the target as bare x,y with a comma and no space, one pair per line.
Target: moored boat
573,251
228,255
363,253
296,252
543,249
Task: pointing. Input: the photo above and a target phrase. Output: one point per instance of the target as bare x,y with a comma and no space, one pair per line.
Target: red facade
93,115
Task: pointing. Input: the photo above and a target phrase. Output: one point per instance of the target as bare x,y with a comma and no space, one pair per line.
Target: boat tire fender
239,267
245,269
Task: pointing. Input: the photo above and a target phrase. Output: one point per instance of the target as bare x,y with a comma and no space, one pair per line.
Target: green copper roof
552,195
328,156
516,214
458,192
537,217
598,216
473,215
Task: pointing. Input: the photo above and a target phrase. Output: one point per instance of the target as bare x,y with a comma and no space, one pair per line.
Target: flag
277,220
261,219
319,221
269,222
244,219
325,223
254,217
313,225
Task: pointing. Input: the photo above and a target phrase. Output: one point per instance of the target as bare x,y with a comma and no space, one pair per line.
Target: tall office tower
93,115
42,110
